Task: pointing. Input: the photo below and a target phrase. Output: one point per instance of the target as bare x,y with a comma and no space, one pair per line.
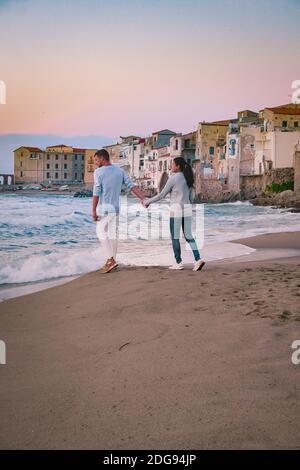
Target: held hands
145,203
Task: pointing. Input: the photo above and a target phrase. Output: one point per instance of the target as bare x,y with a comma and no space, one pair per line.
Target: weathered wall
297,170
233,181
254,185
285,143
247,156
211,190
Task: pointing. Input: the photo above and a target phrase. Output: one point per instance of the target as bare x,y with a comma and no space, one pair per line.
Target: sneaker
109,266
198,265
177,266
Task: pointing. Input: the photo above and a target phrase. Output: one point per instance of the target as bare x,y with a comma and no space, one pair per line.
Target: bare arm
138,193
166,190
132,187
95,203
96,193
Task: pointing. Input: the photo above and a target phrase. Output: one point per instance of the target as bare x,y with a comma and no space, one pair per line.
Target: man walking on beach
108,181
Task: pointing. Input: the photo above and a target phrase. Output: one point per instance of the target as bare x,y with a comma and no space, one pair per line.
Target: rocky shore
286,199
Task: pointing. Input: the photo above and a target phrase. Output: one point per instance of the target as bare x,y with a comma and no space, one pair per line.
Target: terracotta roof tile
290,111
31,149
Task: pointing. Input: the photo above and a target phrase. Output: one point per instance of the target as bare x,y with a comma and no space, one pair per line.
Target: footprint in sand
285,315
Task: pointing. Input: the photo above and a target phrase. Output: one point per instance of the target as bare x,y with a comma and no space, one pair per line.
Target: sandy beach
145,358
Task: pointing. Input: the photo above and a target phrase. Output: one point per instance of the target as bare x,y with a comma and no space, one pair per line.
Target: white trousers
107,233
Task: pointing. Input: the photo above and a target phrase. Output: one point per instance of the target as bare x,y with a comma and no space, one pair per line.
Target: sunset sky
134,66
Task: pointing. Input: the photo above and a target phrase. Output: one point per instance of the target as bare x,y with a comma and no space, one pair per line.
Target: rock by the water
84,193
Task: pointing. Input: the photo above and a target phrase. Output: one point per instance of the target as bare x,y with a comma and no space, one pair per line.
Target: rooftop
164,131
58,145
226,122
31,149
282,110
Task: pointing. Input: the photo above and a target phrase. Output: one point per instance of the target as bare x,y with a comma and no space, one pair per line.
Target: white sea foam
50,237
51,266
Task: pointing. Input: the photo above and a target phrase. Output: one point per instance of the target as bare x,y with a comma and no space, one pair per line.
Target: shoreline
266,248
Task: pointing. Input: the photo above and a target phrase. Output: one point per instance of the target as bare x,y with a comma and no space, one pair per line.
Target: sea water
44,236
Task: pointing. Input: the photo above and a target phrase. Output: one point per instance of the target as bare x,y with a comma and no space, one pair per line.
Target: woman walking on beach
180,187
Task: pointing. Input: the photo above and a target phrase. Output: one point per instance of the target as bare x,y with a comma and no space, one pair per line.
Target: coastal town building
297,168
221,153
210,136
274,150
89,166
284,117
130,154
29,165
164,162
114,151
59,164
184,145
158,140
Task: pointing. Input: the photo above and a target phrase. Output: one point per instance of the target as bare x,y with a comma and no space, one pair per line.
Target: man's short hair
102,153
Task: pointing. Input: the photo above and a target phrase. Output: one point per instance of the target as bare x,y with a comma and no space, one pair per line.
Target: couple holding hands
108,182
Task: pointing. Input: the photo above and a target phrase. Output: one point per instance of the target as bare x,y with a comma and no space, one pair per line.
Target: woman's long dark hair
186,170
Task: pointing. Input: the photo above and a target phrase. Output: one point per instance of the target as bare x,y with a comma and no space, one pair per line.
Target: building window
176,144
48,166
65,157
82,157
232,147
65,176
48,157
160,165
48,176
65,166
56,175
21,163
296,124
75,157
56,166
165,165
75,165
56,157
75,176
284,124
82,176
211,150
21,174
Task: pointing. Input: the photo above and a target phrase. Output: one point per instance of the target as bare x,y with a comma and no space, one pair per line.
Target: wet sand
151,359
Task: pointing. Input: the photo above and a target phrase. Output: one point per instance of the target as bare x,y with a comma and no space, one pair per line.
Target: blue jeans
175,225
